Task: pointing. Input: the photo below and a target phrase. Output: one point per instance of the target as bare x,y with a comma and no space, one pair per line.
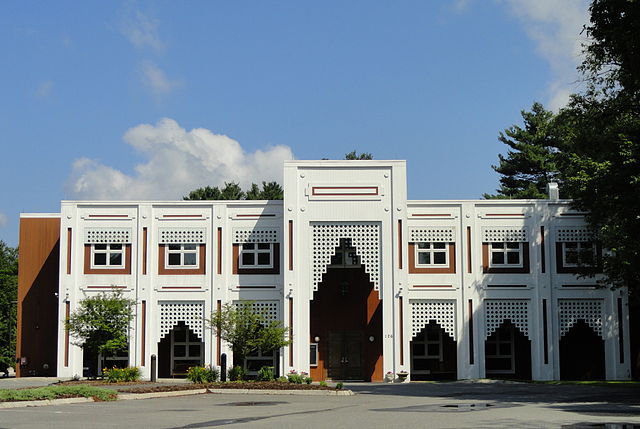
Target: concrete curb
44,402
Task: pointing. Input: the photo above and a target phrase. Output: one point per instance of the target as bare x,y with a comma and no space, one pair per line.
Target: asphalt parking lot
433,405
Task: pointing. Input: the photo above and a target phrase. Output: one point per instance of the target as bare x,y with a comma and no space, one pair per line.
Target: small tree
351,156
100,324
248,330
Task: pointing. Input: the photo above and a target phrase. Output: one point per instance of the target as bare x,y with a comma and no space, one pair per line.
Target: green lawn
57,392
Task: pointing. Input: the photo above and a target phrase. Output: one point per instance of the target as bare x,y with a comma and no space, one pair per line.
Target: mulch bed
262,385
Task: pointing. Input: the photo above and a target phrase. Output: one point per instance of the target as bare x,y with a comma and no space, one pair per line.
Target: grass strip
57,392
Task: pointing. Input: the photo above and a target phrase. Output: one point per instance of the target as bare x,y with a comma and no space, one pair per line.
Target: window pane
424,258
586,257
116,247
194,350
513,245
433,349
100,246
180,335
174,259
336,259
248,246
179,350
189,246
193,337
115,259
505,349
571,245
433,334
264,258
189,259
174,247
423,245
440,258
439,245
100,259
497,258
490,348
264,246
248,259
513,258
497,245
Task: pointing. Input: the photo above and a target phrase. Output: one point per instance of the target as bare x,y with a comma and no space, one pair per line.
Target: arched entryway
346,321
507,353
582,354
434,354
179,350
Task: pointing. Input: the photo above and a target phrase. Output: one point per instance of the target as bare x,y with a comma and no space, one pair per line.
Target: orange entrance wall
359,309
37,330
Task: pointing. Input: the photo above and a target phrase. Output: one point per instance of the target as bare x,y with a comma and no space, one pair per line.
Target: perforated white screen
443,312
255,235
182,235
504,234
107,235
572,310
499,310
432,234
191,313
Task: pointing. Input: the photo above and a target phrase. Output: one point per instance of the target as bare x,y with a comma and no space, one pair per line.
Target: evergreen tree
232,191
531,160
8,297
355,156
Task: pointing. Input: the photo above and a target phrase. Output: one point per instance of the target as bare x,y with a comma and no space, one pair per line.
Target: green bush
119,375
308,380
339,386
53,392
237,373
265,374
202,374
323,383
282,379
295,378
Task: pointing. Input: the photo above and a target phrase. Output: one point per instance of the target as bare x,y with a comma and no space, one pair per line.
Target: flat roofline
343,162
39,215
196,202
489,202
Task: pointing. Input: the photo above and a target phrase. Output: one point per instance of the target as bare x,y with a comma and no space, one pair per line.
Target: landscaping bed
251,385
57,392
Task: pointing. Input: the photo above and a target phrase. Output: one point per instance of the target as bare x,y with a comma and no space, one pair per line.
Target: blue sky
150,99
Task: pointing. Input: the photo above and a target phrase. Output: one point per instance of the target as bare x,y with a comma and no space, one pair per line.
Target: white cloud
155,79
141,30
3,219
555,27
178,161
44,90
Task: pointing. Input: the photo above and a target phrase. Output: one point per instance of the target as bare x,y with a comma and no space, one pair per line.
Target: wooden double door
345,360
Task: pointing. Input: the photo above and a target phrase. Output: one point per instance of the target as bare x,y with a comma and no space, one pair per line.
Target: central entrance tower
344,271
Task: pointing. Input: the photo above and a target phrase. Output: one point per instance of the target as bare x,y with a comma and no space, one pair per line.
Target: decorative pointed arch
365,237
572,310
499,310
191,313
442,311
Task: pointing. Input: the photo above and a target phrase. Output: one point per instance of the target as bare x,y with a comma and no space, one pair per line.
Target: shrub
323,384
119,375
295,378
308,380
282,379
265,374
53,392
237,373
339,386
202,374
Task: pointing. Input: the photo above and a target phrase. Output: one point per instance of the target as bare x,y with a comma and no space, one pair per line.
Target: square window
513,258
107,255
575,254
497,258
432,254
190,259
264,258
115,259
439,258
182,255
248,258
424,258
506,254
256,255
174,259
100,259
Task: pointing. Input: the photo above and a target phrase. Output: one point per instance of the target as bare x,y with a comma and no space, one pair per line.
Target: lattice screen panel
269,309
255,235
191,313
432,234
572,310
107,235
182,235
364,237
573,234
499,310
504,234
442,311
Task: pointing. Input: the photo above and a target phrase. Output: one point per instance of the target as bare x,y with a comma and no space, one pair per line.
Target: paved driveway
445,405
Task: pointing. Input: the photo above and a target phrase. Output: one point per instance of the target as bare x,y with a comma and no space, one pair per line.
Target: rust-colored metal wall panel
39,262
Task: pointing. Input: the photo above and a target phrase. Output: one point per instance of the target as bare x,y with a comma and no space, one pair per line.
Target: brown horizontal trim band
182,215
505,286
180,287
432,215
582,286
105,287
573,214
432,286
504,214
108,215
257,215
256,287
314,190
